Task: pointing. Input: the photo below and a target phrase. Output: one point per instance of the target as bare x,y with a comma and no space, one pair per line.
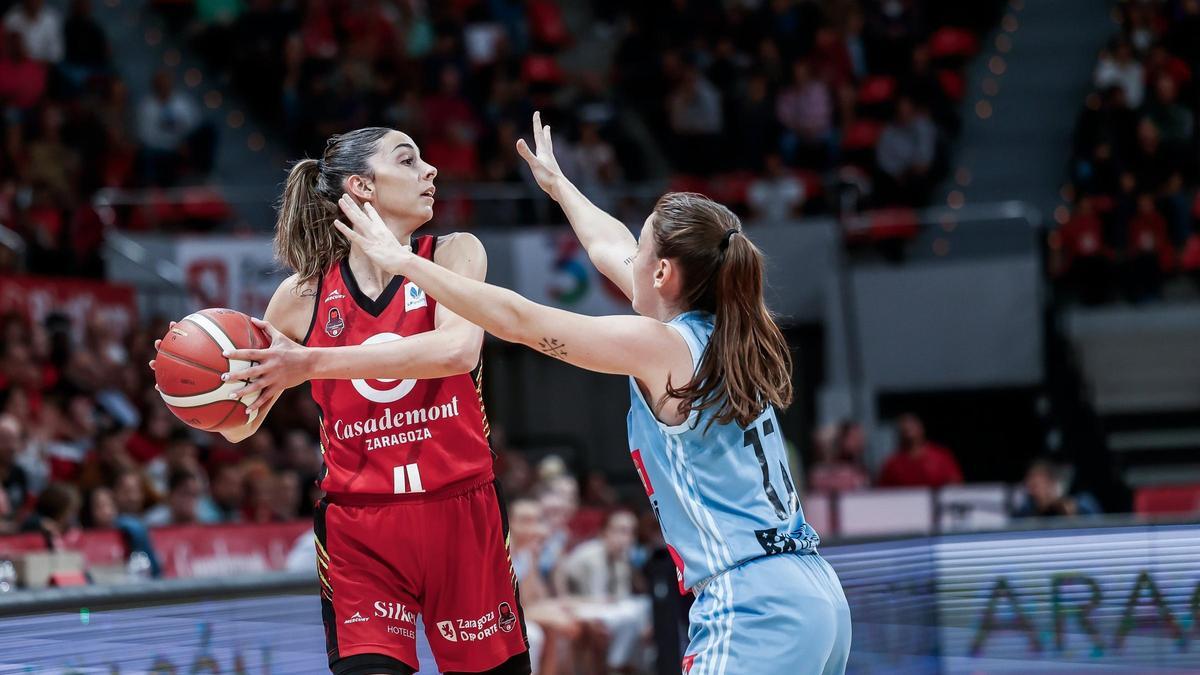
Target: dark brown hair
747,365
305,239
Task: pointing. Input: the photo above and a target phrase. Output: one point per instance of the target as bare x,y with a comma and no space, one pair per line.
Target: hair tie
729,235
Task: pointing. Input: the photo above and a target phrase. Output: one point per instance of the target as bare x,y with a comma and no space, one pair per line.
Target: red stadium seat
876,90
541,69
732,189
814,186
1164,499
686,183
951,42
547,24
1189,260
861,135
953,84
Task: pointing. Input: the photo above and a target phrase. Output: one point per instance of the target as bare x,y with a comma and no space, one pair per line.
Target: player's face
403,183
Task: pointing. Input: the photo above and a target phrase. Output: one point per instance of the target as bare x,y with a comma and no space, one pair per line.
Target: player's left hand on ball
277,368
371,235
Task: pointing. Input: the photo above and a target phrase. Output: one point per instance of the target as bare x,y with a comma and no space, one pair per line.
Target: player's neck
370,278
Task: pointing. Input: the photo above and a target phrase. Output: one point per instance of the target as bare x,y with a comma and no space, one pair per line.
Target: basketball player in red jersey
412,522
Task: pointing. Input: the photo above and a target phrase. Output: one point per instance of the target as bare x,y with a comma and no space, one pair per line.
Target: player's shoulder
459,244
291,307
463,253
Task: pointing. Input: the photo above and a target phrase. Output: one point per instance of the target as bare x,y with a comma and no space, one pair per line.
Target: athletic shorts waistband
699,585
446,492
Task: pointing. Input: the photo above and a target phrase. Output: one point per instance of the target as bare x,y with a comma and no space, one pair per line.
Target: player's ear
664,273
361,188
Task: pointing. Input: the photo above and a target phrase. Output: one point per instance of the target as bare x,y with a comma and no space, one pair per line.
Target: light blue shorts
776,615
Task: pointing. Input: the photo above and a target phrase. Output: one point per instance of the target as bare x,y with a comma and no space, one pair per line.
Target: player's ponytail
747,365
305,238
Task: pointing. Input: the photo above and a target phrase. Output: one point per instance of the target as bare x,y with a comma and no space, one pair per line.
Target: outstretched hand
543,163
368,231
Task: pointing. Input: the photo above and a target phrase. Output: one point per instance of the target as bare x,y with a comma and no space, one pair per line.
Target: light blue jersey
723,494
728,510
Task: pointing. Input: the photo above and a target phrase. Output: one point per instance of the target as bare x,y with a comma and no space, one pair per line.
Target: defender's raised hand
543,164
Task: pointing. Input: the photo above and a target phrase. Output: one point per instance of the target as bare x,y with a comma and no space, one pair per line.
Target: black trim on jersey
517,665
316,309
374,307
514,664
327,614
370,664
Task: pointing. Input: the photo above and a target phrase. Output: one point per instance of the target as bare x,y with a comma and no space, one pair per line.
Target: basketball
189,366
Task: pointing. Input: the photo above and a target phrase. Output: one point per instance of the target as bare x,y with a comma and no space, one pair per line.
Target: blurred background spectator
1048,493
918,462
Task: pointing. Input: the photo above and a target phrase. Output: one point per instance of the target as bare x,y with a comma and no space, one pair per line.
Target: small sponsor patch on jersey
335,325
335,295
414,297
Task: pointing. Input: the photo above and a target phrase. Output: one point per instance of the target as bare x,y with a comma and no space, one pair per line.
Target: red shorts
444,557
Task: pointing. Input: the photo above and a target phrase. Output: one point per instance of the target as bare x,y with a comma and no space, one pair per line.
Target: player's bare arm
610,245
451,348
620,345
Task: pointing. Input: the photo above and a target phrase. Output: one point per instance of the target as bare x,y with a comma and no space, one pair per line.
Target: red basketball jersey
393,437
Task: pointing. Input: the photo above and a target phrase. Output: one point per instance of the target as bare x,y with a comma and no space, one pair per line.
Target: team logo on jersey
414,297
384,390
773,542
507,618
446,628
335,295
334,326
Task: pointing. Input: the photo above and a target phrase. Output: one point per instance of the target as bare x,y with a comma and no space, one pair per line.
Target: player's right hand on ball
281,366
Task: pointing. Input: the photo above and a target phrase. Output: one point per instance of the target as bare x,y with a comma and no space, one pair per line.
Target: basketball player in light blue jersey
707,367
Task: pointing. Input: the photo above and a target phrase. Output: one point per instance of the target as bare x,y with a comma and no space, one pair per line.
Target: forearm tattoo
629,261
553,348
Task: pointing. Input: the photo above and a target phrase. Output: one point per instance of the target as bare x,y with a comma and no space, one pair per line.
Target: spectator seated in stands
697,120
1047,493
918,462
840,468
599,577
1149,255
1086,263
40,27
183,501
777,194
805,111
172,132
56,514
15,492
1117,67
23,79
905,155
551,623
87,52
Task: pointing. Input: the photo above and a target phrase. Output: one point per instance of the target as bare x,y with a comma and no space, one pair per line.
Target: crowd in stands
916,461
1131,225
86,442
69,129
746,100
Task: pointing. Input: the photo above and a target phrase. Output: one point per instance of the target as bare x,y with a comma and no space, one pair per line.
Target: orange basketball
189,366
